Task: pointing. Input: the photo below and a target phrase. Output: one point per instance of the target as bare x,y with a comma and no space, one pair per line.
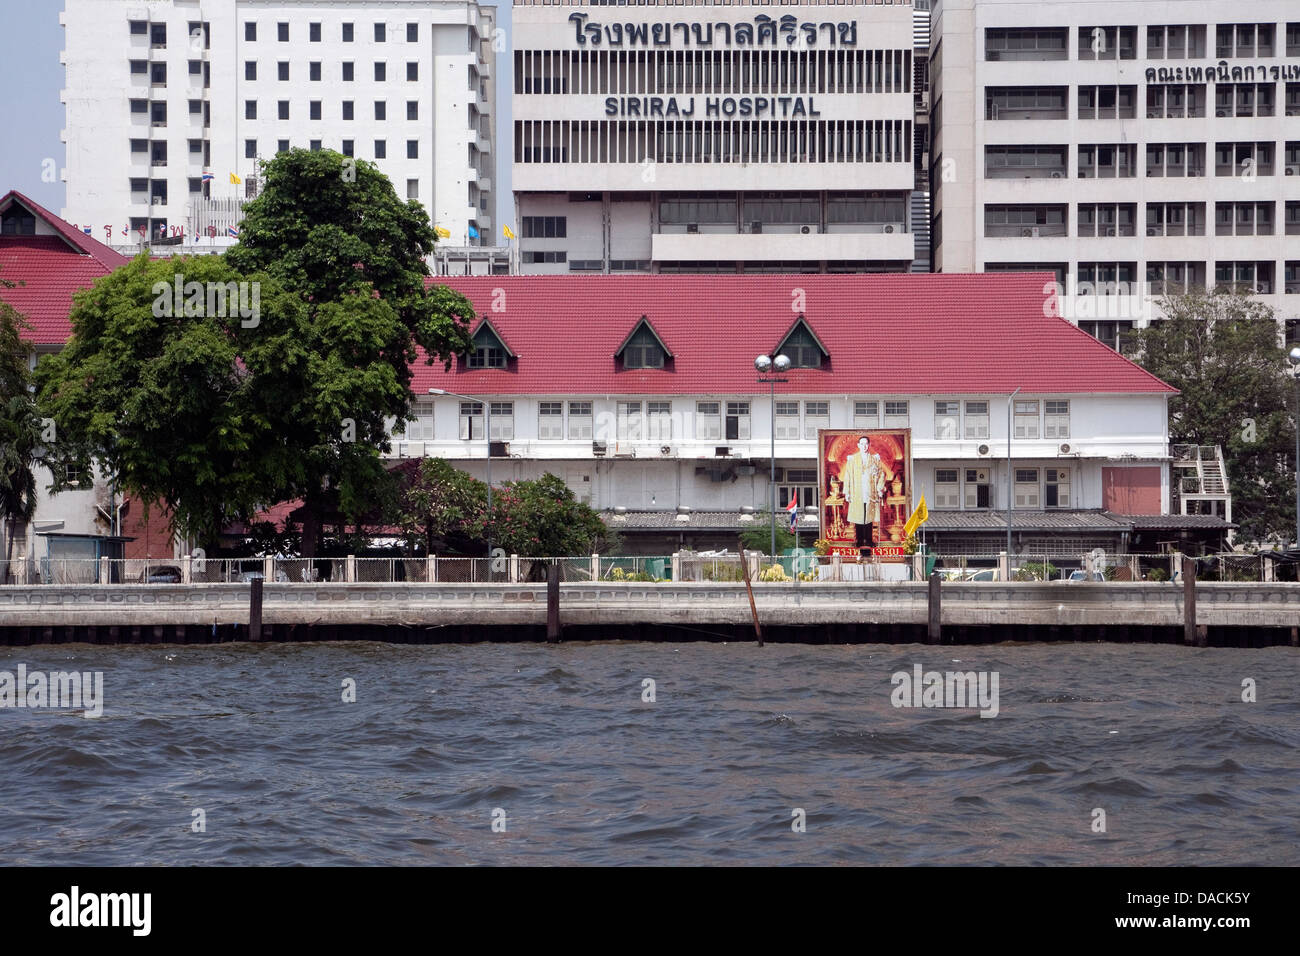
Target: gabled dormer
802,347
490,348
643,348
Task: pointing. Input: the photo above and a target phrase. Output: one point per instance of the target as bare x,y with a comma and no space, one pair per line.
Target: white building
713,137
640,392
1119,142
158,94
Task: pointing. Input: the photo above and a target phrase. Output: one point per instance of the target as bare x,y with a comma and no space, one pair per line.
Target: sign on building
865,477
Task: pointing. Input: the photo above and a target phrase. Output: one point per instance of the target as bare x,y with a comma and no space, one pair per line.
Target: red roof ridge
85,244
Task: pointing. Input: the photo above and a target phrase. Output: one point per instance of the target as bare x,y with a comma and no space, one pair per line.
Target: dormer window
490,349
802,347
18,222
643,348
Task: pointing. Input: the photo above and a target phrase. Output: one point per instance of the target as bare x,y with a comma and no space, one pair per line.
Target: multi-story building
1131,148
641,393
160,96
714,137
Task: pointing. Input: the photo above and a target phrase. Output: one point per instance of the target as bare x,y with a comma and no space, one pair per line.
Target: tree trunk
310,528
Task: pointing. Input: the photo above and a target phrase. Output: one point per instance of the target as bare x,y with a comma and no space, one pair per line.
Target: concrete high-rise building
168,103
714,137
1129,146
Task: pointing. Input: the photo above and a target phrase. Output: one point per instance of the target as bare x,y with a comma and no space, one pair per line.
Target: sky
31,116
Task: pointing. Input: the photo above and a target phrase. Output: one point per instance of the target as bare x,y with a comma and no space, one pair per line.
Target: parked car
988,574
162,574
247,576
1081,575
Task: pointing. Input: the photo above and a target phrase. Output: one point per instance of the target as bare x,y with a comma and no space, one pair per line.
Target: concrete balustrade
604,603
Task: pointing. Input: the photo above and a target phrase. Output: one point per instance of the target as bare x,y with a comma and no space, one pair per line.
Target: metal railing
682,567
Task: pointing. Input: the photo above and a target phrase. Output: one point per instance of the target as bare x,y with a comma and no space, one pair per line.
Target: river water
740,747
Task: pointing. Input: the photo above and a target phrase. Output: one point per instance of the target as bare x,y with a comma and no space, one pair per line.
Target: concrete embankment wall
899,611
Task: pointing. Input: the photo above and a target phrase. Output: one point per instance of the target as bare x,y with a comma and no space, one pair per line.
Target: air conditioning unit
807,230
722,451
983,449
755,228
1027,233
1263,290
692,227
499,449
599,449
159,201
1152,231
1065,449
981,476
1222,113
1057,174
1110,232
1293,169
1293,288
1154,114
665,450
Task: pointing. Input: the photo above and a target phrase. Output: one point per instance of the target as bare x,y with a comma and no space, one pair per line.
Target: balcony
485,185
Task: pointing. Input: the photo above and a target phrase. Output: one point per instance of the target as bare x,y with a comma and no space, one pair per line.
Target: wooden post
350,569
1191,635
749,589
934,631
430,568
255,609
552,603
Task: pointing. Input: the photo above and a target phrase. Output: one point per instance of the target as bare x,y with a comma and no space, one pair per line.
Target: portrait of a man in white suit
864,487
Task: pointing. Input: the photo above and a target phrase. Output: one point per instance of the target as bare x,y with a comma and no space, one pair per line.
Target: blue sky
31,115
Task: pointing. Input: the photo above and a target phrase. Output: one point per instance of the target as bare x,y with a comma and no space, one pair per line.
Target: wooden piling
255,609
934,631
1193,635
552,603
749,589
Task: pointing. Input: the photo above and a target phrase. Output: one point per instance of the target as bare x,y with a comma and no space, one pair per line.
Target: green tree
20,430
1222,351
438,502
758,536
331,229
542,518
181,409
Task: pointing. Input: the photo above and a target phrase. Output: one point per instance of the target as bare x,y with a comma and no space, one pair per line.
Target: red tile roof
52,268
898,333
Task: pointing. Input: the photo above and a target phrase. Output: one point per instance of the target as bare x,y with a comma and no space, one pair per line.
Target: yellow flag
919,517
441,232
509,233
235,180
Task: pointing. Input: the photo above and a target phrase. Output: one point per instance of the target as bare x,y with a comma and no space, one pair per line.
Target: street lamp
1010,402
779,365
1294,356
487,433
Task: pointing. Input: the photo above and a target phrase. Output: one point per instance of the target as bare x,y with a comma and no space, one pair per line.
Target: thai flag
793,508
208,177
232,232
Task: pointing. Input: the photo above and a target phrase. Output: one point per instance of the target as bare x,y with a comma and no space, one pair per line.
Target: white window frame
741,412
947,494
581,425
1027,491
813,420
947,419
421,428
1056,424
1023,420
866,414
897,419
976,423
629,422
471,421
1062,486
659,420
787,425
503,421
550,421
708,421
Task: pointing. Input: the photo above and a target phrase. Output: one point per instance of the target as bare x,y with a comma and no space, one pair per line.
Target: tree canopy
1222,351
20,430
